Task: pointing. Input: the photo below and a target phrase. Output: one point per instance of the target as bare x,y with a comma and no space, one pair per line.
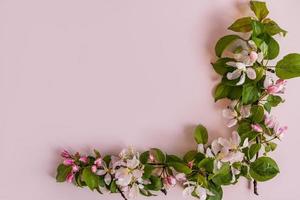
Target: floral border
254,88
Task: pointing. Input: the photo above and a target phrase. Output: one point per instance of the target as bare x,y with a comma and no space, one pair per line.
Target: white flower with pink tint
242,71
235,112
280,131
274,88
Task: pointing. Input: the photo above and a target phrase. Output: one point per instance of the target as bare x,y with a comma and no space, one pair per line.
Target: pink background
108,74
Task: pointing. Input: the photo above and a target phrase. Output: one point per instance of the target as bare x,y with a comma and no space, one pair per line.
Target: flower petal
229,113
242,79
234,75
107,179
251,73
231,123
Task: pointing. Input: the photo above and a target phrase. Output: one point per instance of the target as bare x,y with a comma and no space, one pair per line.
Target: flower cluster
252,86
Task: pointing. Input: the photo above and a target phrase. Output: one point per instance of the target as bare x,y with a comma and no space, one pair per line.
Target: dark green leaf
254,148
222,91
257,113
144,157
62,172
223,176
158,155
180,167
242,25
250,94
91,179
200,134
263,169
272,28
148,169
221,67
207,164
173,158
216,190
155,185
224,42
257,28
288,67
113,187
189,156
274,100
260,9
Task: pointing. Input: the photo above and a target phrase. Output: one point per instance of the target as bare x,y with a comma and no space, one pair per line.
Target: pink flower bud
151,157
68,162
171,181
270,121
190,164
65,154
253,56
83,159
75,168
256,128
70,177
98,162
94,168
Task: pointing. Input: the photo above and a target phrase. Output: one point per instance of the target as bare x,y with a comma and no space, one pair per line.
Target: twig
255,182
122,194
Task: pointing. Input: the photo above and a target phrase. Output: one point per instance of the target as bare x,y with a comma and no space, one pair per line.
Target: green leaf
200,134
62,172
267,107
271,146
260,9
155,185
254,148
173,158
207,164
91,179
222,91
223,176
273,47
250,94
224,42
235,93
274,100
288,67
180,167
113,187
189,156
144,157
242,25
260,72
216,190
264,48
148,169
257,113
272,28
158,155
221,67
107,159
257,28
263,169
